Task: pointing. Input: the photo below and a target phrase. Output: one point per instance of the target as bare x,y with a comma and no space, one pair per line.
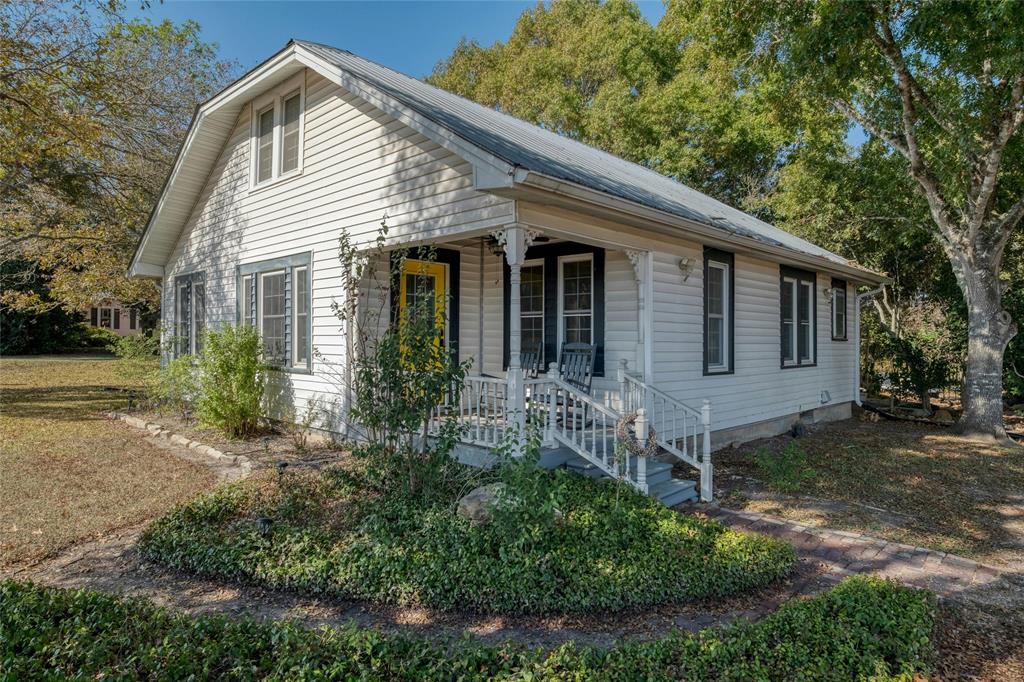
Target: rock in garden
477,504
943,417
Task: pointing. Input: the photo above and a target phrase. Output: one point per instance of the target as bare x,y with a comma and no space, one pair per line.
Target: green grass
862,629
613,549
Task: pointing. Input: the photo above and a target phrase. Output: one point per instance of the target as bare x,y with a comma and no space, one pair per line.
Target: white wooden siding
358,165
759,389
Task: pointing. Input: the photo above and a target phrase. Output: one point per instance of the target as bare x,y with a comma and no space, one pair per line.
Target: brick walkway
844,553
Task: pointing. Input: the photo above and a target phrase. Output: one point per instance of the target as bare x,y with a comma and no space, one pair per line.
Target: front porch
514,299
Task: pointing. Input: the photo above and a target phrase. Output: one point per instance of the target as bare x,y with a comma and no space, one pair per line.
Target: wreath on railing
626,435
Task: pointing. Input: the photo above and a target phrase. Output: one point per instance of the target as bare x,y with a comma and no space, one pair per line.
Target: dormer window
277,133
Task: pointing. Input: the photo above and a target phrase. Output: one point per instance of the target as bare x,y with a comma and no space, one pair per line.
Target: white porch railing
676,424
570,417
479,405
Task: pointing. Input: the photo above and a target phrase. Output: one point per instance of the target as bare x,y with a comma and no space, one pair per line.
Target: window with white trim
576,299
189,313
275,297
277,132
797,299
718,303
838,310
531,308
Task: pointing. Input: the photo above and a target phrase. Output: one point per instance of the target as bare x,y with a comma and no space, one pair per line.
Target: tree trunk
990,329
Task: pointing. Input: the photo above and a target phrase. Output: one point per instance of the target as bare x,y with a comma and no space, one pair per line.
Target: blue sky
408,36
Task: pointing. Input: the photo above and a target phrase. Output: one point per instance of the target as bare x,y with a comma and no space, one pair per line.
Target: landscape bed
322,533
862,629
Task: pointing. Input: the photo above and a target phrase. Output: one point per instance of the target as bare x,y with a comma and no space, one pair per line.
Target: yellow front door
423,289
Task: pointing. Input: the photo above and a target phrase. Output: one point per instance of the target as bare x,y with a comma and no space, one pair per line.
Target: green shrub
137,365
96,337
785,472
862,629
232,377
176,385
612,549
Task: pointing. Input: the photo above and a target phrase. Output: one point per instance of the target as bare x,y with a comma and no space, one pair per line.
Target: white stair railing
676,424
589,428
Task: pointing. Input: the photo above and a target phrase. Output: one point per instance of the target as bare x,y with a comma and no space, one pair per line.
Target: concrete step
674,491
657,472
661,486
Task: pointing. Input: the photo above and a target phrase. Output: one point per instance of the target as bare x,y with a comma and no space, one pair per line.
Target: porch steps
660,484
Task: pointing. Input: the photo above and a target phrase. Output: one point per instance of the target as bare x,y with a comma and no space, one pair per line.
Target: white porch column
643,273
513,240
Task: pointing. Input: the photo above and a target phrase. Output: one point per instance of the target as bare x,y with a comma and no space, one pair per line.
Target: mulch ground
909,483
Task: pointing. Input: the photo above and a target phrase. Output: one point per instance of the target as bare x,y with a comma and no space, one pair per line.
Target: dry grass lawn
67,473
900,481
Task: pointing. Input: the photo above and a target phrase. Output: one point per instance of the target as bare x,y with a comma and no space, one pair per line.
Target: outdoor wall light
686,267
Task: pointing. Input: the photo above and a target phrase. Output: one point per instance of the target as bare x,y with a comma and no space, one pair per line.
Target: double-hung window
838,310
797,303
274,296
576,299
718,312
561,300
277,132
531,308
189,313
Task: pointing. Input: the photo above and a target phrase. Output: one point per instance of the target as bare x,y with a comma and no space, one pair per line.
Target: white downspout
861,298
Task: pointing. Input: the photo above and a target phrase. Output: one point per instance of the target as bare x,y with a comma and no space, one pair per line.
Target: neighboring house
707,318
120,319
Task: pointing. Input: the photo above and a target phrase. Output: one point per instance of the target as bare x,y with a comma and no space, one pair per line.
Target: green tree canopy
601,74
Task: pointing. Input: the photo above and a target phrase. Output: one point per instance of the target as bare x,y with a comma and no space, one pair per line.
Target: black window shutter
94,317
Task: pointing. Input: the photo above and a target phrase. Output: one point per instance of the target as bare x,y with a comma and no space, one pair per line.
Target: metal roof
533,148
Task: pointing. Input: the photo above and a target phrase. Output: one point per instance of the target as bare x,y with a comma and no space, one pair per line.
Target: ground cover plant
904,482
68,472
331,532
862,629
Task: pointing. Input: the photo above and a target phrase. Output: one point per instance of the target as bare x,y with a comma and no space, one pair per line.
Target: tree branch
987,170
869,125
894,55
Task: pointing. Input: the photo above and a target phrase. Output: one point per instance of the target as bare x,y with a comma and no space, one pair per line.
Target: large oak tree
941,84
93,108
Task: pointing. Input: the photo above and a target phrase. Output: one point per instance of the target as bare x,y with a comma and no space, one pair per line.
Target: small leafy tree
232,378
401,371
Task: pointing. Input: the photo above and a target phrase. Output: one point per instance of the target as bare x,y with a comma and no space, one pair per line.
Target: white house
708,319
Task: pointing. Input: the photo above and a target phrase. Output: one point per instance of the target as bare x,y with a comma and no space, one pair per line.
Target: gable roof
514,149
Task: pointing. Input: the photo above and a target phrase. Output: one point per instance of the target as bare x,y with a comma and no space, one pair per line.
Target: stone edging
159,431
